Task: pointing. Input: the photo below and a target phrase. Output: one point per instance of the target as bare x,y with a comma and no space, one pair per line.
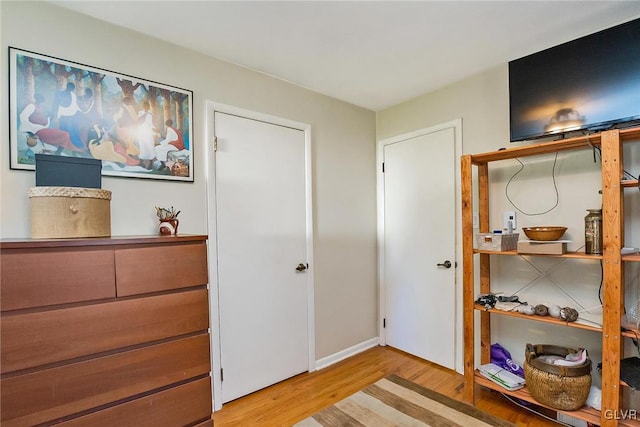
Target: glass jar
593,232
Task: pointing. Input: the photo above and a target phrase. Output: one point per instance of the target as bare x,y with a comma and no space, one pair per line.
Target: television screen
591,83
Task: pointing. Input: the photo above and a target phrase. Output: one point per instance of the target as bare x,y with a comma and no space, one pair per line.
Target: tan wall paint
343,140
481,101
483,105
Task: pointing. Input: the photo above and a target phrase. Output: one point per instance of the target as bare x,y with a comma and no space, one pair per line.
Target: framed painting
137,128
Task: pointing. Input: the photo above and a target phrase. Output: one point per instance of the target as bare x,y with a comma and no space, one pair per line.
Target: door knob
301,267
446,264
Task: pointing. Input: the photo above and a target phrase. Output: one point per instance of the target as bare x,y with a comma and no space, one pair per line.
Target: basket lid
75,192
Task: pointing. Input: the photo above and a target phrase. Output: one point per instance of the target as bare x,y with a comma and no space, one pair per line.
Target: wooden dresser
105,332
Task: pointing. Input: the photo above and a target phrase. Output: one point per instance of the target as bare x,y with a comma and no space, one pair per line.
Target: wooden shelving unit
613,185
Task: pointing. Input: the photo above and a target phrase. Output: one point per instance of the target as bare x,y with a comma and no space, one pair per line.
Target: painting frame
138,128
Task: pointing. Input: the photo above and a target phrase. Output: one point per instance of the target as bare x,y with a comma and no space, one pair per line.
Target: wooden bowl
545,233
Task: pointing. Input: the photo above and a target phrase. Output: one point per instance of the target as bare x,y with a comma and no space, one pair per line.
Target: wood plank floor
290,401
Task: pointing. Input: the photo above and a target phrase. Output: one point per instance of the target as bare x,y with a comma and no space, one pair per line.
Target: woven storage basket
68,212
559,387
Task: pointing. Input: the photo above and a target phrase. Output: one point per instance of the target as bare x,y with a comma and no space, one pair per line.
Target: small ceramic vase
168,227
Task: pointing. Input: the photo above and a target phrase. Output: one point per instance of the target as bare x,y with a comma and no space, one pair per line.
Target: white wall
482,103
343,139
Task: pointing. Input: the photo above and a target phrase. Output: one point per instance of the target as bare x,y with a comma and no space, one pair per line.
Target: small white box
545,248
497,241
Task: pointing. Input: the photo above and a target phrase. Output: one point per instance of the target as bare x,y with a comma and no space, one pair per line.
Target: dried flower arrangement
166,214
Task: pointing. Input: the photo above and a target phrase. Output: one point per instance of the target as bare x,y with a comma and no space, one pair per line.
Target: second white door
419,244
262,258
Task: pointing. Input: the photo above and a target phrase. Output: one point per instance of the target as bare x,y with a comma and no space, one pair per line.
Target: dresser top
99,241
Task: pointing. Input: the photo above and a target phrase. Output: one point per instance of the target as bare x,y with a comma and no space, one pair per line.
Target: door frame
457,128
214,318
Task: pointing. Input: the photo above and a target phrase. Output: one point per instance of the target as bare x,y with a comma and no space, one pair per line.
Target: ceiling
373,54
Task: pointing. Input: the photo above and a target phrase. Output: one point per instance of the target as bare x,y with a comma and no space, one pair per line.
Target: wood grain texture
70,347
98,328
46,277
94,242
613,269
182,405
567,144
293,400
484,260
52,393
153,269
468,274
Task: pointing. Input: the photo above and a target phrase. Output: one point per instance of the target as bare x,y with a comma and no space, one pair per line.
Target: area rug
395,401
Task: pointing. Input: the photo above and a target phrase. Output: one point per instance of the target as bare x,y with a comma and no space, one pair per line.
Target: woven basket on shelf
559,387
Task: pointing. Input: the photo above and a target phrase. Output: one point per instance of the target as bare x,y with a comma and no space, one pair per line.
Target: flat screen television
591,83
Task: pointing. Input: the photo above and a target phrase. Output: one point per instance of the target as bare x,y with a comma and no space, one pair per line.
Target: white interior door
261,239
419,241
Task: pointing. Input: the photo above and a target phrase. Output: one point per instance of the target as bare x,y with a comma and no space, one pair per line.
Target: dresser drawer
43,396
153,269
36,339
177,406
35,278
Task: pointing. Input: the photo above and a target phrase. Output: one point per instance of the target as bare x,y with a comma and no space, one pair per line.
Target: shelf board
536,149
544,319
631,333
631,257
586,413
629,183
552,320
578,255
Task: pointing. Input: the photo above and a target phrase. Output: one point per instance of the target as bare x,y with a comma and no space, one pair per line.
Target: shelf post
485,261
467,279
613,274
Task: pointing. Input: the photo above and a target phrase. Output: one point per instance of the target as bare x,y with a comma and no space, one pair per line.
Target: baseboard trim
346,353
